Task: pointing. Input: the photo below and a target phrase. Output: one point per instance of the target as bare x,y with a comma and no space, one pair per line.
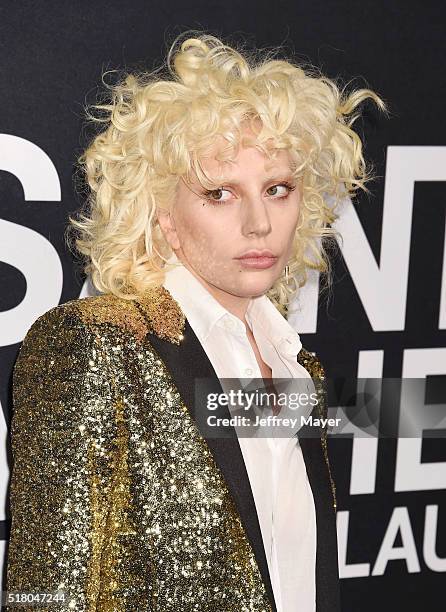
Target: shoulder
108,311
74,341
91,313
154,311
100,328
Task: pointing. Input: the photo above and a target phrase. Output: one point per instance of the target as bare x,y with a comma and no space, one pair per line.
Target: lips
255,254
257,259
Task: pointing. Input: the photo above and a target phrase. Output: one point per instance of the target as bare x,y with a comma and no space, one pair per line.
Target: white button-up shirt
275,465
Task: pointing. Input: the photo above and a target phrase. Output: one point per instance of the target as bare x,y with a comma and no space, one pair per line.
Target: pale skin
251,209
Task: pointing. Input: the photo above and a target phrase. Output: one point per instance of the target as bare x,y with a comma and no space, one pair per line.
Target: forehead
223,161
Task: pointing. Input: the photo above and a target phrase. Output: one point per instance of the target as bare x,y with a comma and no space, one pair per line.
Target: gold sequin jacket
117,499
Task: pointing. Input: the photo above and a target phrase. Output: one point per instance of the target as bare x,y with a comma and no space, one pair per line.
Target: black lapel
188,362
327,576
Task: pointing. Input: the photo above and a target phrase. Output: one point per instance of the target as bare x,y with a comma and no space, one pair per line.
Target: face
255,208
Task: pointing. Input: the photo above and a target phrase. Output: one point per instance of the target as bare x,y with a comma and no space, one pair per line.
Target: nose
255,217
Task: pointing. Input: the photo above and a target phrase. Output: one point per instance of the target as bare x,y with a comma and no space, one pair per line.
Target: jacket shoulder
107,309
91,312
153,311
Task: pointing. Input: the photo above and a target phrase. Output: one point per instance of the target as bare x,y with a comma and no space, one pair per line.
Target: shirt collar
262,312
204,312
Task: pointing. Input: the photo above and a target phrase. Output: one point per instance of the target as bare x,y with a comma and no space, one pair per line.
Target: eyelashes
207,194
289,186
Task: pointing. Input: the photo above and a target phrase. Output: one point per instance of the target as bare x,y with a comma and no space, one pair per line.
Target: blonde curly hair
158,126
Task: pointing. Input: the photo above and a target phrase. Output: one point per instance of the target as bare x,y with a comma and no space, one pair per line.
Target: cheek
287,224
201,235
285,232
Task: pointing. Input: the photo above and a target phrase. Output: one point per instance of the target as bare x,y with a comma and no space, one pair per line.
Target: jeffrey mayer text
274,420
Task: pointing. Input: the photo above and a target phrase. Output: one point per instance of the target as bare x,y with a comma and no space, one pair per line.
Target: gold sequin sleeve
62,434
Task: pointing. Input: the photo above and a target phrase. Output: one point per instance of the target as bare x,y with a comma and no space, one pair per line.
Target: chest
265,369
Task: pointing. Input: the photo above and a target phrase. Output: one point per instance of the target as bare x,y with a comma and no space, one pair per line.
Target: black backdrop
51,58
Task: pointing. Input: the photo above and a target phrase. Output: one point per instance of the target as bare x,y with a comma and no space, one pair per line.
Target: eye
213,195
288,189
210,194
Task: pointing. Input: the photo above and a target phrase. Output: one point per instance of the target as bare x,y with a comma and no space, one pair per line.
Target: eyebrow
275,176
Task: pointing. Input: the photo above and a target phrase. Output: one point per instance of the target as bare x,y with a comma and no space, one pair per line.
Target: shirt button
249,371
229,323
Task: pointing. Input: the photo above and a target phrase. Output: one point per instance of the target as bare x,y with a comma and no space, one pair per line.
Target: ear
167,225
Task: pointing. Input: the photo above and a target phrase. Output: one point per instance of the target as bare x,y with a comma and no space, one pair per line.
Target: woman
206,209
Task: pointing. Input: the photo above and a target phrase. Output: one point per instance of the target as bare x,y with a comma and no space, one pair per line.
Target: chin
255,287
